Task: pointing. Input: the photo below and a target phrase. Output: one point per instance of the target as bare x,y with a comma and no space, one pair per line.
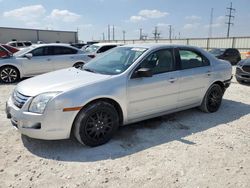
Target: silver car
39,59
126,85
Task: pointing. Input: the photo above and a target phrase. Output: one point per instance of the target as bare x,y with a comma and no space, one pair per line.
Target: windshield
217,52
23,51
91,48
115,61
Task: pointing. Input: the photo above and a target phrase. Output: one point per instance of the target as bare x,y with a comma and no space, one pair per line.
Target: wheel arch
221,84
104,99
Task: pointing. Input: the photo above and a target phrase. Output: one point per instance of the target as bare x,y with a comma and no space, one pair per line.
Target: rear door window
192,59
60,50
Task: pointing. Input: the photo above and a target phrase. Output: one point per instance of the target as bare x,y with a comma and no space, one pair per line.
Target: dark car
230,54
243,71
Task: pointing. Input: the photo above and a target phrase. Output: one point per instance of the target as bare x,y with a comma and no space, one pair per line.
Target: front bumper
52,125
242,75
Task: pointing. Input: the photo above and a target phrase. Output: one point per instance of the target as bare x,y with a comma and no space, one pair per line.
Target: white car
39,59
98,48
20,44
123,86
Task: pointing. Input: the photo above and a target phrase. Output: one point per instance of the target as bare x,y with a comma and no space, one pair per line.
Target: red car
6,49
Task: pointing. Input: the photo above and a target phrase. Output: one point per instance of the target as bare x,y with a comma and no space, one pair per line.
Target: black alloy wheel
96,124
9,74
212,100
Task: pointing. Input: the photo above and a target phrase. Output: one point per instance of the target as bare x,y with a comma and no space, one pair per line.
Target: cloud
152,13
190,26
219,22
193,18
147,14
64,15
136,18
27,13
162,25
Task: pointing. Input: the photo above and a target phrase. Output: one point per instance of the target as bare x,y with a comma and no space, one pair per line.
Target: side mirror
28,55
144,72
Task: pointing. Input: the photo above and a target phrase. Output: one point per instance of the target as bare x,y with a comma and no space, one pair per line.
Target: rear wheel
96,124
78,65
9,74
212,100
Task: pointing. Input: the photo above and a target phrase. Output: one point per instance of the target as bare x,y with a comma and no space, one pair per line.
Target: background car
4,52
230,54
125,85
39,59
20,44
243,71
10,48
98,48
78,45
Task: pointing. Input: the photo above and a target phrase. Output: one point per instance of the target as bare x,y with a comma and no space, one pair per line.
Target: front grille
246,68
19,99
238,70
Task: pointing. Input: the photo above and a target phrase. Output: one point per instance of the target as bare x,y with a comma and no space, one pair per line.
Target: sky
188,18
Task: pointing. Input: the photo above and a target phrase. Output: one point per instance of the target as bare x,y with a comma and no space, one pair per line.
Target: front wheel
212,100
9,74
96,124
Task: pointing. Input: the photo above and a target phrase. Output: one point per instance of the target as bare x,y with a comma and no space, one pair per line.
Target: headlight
39,103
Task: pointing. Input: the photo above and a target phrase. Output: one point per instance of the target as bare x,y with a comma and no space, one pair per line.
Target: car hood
61,80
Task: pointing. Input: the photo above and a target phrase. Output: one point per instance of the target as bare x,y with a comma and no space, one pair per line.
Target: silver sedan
126,85
39,59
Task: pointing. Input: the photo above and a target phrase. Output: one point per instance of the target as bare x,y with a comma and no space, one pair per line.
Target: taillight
91,56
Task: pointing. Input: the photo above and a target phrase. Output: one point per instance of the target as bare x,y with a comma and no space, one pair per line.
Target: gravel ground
185,149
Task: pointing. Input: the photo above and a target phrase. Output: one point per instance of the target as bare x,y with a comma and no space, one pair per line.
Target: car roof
107,44
54,44
159,45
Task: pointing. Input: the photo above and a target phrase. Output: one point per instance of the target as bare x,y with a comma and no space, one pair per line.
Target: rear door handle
172,80
48,59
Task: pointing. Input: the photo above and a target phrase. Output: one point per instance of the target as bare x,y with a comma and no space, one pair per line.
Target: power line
230,16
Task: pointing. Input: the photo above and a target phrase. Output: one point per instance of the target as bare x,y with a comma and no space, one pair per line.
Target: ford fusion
125,85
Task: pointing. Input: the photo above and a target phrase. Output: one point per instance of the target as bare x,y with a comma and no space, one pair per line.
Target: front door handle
172,80
48,59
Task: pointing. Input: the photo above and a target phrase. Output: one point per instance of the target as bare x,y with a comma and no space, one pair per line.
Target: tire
78,65
96,124
9,74
212,100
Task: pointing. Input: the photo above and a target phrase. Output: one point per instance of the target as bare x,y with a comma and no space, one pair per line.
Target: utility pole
230,16
156,34
124,37
210,32
170,32
141,34
108,32
113,33
103,36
